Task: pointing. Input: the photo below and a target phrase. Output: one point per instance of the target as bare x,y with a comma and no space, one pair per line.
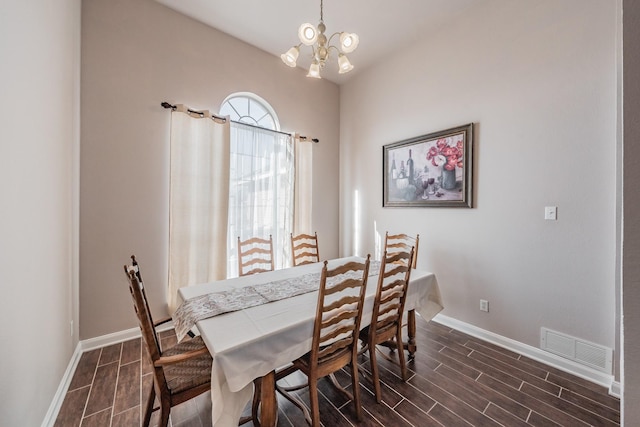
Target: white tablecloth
250,343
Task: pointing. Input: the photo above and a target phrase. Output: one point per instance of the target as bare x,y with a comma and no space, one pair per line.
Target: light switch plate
551,213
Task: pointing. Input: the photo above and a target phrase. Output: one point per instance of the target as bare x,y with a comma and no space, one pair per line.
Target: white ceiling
272,25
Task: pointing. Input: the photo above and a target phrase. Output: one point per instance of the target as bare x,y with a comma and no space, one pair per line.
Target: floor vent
580,351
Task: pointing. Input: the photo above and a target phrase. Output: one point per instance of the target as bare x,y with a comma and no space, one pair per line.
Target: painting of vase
433,170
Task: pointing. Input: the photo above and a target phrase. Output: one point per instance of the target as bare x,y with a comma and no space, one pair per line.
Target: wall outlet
551,213
484,305
71,327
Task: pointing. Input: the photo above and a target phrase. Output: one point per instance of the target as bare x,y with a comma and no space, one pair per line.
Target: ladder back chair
304,249
255,255
402,242
388,307
134,266
335,337
181,372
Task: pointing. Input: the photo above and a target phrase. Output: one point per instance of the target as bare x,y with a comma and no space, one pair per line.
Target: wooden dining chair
134,266
388,307
402,242
181,372
255,255
335,337
304,249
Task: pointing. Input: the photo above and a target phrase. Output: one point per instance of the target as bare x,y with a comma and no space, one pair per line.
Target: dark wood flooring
455,380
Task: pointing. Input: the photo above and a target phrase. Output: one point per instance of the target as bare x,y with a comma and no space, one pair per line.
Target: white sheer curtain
260,191
199,200
303,187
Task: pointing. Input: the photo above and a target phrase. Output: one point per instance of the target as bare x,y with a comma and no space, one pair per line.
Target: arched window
261,178
249,108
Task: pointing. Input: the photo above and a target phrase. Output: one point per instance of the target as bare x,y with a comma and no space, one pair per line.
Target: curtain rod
165,104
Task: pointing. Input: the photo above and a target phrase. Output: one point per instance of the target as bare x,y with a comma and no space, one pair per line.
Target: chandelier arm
335,47
332,36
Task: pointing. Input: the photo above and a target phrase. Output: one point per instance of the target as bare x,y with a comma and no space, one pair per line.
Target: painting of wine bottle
434,170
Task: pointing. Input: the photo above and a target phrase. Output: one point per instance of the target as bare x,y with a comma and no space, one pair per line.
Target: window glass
260,180
249,108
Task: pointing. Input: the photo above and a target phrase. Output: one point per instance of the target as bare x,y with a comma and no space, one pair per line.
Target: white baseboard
58,398
615,390
534,353
118,337
109,339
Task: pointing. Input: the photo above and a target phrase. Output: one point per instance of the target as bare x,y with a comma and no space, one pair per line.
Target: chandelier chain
321,14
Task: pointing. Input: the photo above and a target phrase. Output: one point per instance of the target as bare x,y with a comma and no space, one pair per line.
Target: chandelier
321,47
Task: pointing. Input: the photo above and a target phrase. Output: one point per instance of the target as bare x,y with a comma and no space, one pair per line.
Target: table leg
411,332
268,400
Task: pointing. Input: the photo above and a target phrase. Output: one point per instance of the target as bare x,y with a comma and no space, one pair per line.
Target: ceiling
272,25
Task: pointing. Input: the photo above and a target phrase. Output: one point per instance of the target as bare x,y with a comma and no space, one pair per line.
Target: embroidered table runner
213,304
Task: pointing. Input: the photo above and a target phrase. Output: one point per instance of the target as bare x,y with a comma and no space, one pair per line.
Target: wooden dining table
251,343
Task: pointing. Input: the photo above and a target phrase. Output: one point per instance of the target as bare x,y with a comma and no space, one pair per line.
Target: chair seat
342,356
190,373
382,334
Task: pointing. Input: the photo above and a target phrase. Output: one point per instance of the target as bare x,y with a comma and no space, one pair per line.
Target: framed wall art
433,170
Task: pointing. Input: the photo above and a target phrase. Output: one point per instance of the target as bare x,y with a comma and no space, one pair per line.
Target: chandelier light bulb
291,56
348,42
344,66
308,34
314,70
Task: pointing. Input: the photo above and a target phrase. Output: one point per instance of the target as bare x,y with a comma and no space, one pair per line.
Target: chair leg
295,400
257,391
355,384
149,406
165,410
403,363
411,334
313,400
375,377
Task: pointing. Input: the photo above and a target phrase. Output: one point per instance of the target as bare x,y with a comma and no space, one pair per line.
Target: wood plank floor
455,380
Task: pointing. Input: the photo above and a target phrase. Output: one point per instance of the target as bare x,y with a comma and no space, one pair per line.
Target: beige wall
39,82
136,54
631,235
539,80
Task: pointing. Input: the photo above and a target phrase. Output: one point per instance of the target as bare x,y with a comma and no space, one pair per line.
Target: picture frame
433,170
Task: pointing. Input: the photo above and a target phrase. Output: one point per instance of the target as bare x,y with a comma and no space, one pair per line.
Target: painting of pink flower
447,152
